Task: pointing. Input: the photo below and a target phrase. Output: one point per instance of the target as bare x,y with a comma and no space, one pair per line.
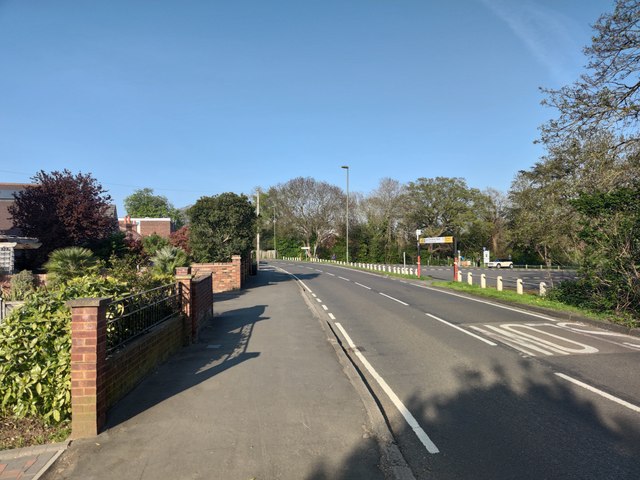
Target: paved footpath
261,396
29,463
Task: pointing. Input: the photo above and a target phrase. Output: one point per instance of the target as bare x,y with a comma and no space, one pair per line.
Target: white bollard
543,289
499,283
470,278
459,279
519,289
483,281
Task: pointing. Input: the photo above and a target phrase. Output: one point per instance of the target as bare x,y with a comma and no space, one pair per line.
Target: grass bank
528,299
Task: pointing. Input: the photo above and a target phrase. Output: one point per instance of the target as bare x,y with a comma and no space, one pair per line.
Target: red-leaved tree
63,210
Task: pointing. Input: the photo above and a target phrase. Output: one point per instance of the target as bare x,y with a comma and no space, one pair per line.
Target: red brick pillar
236,272
185,284
88,365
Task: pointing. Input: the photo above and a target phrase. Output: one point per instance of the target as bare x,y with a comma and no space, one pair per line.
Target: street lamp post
346,167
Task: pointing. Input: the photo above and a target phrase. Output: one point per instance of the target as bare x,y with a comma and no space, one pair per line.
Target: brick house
13,246
144,227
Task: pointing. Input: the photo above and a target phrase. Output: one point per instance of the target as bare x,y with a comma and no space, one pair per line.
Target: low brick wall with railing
115,344
227,276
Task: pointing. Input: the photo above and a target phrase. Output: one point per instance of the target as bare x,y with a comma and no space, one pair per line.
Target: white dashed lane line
597,391
345,279
363,286
394,299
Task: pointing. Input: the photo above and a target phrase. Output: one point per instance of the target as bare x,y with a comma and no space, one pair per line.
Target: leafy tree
143,203
611,232
71,262
180,238
608,96
221,226
63,210
440,206
167,259
309,209
153,243
383,210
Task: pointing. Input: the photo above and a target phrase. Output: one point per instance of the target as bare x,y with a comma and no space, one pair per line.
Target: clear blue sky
196,98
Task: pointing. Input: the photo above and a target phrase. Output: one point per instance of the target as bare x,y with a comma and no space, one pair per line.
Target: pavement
29,463
266,393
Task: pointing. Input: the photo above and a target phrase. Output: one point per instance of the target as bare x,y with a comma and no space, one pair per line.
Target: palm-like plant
71,262
167,259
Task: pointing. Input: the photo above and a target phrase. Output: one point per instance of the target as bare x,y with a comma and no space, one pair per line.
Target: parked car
500,263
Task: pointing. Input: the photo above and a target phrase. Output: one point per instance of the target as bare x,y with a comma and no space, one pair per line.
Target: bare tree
310,208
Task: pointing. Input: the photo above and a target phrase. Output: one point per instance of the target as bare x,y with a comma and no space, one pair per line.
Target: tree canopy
143,203
607,97
221,226
63,210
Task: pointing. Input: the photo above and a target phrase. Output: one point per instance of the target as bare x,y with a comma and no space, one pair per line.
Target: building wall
146,226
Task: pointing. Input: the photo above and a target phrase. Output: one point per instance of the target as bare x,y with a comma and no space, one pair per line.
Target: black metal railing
132,316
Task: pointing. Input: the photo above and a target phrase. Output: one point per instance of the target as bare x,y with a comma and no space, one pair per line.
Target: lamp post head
345,167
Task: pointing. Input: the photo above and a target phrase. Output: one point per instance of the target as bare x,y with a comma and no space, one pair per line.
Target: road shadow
222,344
501,426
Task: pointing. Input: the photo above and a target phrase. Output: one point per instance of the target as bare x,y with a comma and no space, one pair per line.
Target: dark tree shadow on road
516,427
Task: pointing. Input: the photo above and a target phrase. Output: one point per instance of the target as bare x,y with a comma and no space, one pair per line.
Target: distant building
144,227
13,246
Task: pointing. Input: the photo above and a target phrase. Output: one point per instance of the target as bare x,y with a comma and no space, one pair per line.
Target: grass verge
27,432
529,299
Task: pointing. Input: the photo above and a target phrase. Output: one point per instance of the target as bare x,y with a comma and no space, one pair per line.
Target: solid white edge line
410,419
597,391
524,312
363,286
301,282
394,299
478,337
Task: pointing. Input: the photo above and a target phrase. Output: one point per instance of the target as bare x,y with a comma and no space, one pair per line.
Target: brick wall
97,382
128,367
226,276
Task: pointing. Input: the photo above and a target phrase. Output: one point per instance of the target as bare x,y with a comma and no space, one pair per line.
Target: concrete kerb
393,462
49,453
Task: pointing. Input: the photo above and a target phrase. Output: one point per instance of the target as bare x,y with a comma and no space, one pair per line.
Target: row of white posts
413,272
519,287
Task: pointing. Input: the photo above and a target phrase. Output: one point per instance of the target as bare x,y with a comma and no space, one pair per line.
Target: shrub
67,263
22,285
167,259
35,349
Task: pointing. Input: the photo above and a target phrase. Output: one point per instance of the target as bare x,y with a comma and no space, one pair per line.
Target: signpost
431,241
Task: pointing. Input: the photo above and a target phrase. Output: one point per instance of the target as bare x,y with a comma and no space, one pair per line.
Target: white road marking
317,270
478,337
332,274
318,300
410,419
301,282
313,295
345,279
595,390
517,336
331,316
363,286
524,312
325,308
394,299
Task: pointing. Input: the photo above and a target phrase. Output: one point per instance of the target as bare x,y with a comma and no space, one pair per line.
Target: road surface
472,389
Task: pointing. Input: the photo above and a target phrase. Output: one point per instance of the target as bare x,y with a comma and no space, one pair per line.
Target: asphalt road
476,390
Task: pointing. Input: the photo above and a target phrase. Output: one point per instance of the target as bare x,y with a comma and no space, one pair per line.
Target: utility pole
275,245
258,233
